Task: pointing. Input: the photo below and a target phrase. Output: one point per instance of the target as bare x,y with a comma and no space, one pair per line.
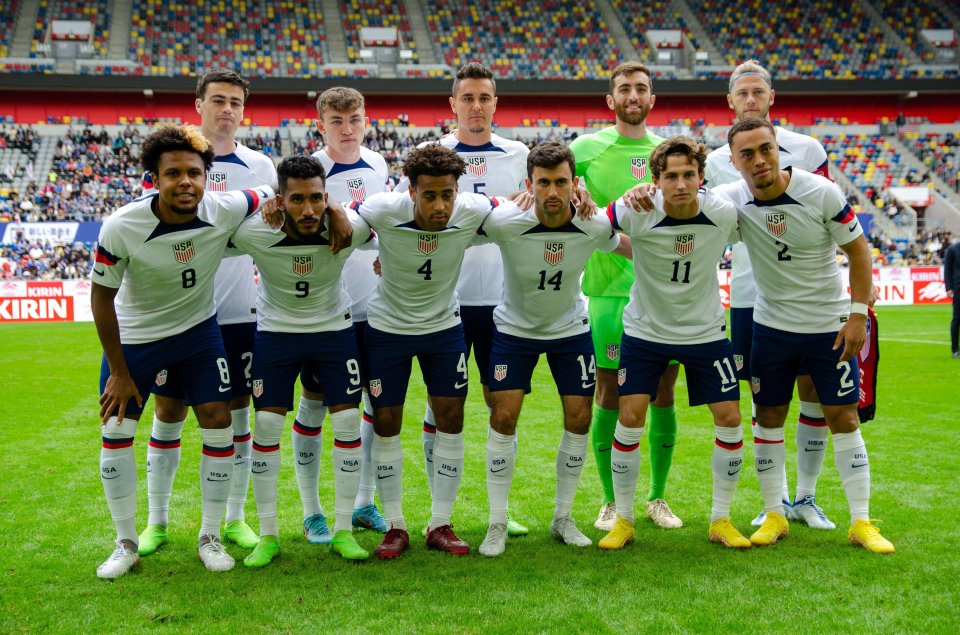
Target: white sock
850,453
163,459
368,471
347,463
625,463
307,444
429,438
769,455
448,471
241,464
500,464
118,471
216,472
387,455
811,448
265,468
570,458
727,463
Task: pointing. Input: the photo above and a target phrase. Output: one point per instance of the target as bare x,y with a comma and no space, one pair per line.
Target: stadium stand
95,11
638,17
8,15
940,153
355,14
909,17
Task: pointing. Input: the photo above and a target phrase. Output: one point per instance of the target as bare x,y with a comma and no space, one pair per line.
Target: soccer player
221,97
675,313
750,95
544,251
792,222
610,162
303,322
152,302
353,173
423,233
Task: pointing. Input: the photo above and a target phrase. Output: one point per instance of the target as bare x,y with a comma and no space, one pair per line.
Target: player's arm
341,229
640,197
853,334
120,386
625,247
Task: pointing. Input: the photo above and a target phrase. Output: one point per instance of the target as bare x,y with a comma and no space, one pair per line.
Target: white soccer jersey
355,182
497,168
796,150
542,268
301,287
675,297
793,242
165,272
420,268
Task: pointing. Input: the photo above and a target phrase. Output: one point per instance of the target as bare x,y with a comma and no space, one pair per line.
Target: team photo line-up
485,248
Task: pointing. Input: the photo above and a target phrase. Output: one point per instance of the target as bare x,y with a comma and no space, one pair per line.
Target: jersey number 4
426,270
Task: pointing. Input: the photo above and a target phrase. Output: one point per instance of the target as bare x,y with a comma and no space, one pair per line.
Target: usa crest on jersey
621,376
638,167
356,189
427,243
302,265
755,384
161,378
613,351
376,389
477,166
183,251
257,387
684,244
777,223
553,253
738,360
216,182
500,372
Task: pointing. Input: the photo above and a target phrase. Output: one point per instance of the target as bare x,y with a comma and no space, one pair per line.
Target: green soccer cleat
263,554
346,545
514,528
239,532
151,539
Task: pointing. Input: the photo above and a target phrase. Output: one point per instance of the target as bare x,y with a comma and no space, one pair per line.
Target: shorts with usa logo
571,361
779,356
389,357
195,357
326,362
238,344
709,369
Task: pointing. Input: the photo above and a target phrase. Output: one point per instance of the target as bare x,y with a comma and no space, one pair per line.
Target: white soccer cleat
123,558
213,555
565,530
787,513
659,512
607,517
807,511
496,541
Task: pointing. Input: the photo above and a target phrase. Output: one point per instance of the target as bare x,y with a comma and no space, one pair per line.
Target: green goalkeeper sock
603,424
662,438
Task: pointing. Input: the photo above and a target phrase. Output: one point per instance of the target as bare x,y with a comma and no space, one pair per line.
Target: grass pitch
55,527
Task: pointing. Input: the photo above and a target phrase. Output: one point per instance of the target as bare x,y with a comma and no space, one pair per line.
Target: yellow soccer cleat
619,537
726,534
773,529
868,536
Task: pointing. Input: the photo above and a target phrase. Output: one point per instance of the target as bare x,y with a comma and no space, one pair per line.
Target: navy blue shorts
571,361
443,362
359,330
779,356
478,335
709,369
238,343
741,336
195,357
327,362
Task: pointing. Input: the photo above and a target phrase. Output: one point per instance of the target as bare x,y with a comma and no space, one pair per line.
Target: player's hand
118,391
341,231
874,295
950,294
582,200
524,199
271,213
852,335
376,267
640,197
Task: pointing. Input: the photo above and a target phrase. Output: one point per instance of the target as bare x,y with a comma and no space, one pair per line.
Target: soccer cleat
807,511
151,539
239,533
443,539
726,534
268,548
369,517
316,531
346,545
607,517
762,516
619,537
496,541
213,555
123,558
774,527
514,528
394,543
565,530
659,512
865,534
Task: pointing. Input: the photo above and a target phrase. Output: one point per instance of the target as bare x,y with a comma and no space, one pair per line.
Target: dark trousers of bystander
955,325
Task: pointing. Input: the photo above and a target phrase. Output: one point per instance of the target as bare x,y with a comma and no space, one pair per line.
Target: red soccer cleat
443,539
394,543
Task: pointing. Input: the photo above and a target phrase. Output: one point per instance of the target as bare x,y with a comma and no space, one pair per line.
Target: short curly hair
748,124
172,139
433,160
679,145
550,155
299,166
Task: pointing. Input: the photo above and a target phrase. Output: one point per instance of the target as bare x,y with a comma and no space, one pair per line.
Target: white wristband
858,307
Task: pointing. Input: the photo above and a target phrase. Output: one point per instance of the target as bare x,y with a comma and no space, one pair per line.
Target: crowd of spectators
930,248
45,260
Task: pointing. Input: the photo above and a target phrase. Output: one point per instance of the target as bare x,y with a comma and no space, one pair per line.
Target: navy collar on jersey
487,147
230,158
318,239
163,229
413,225
783,199
344,167
699,219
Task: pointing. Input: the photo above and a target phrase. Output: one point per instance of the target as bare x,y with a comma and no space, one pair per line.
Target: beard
632,118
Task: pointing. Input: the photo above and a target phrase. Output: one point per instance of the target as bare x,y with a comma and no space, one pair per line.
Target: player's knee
841,419
213,417
169,410
502,422
387,421
727,418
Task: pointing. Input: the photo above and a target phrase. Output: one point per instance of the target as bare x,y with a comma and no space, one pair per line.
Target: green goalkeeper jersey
610,164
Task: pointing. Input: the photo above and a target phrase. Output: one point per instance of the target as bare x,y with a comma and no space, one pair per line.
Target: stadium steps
907,156
703,37
333,22
121,22
892,37
23,28
418,28
620,37
880,220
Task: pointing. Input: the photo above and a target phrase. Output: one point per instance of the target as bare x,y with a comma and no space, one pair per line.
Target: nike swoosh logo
221,480
351,391
255,472
667,447
493,471
732,473
861,465
224,388
447,475
852,229
764,469
590,384
349,471
299,462
605,449
809,450
620,472
577,465
110,478
98,272
383,477
845,392
459,385
728,388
